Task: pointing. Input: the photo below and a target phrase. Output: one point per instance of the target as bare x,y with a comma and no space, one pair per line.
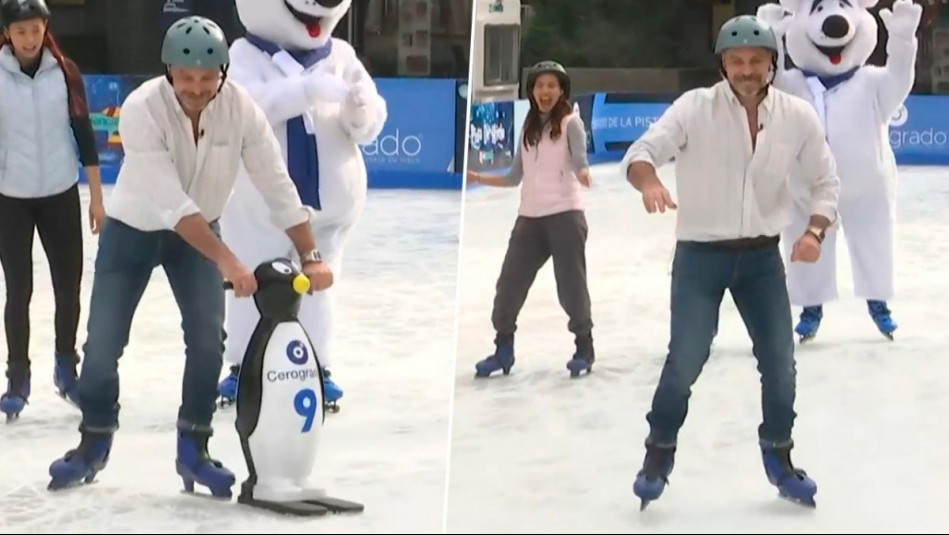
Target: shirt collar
767,103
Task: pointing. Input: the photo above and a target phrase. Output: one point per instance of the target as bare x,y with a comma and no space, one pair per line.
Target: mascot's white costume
322,104
829,42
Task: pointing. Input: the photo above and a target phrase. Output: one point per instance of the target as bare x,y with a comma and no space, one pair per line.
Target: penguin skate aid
164,210
44,199
280,412
551,221
740,255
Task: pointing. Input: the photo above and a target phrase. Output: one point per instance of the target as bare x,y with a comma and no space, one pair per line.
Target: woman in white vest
44,118
550,165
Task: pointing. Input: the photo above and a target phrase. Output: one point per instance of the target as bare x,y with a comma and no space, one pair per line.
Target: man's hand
657,198
242,279
806,249
320,275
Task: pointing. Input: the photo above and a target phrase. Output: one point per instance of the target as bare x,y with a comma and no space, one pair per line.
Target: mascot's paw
322,86
359,114
903,21
776,16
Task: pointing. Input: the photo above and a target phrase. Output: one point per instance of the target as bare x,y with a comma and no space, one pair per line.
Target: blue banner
491,137
616,125
417,146
919,131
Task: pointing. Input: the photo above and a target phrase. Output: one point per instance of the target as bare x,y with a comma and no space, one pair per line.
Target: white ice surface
536,452
387,447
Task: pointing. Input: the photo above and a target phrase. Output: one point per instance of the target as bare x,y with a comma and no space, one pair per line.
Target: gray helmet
549,67
195,42
19,10
745,30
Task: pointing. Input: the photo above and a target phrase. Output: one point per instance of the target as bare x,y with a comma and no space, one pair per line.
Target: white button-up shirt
167,176
726,189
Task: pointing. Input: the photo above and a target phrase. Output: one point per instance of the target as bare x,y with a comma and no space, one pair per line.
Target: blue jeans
124,264
756,279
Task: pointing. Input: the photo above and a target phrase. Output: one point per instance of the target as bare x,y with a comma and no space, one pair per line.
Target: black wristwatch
818,233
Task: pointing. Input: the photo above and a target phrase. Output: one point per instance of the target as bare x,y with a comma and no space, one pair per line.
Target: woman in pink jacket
550,165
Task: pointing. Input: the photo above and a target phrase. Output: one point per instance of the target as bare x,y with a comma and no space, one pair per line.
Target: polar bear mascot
829,42
322,104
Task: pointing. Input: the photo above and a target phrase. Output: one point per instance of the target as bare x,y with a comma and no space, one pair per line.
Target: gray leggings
533,240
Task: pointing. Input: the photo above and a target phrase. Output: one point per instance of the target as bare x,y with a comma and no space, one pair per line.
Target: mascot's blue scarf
302,158
832,80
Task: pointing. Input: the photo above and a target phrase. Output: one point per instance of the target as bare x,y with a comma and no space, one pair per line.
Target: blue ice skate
195,465
793,483
331,392
66,378
502,359
227,388
652,479
882,317
810,322
80,465
582,360
16,397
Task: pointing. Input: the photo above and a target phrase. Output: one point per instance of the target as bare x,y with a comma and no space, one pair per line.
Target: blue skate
793,483
502,359
65,377
80,465
810,322
195,465
227,388
654,475
16,397
881,316
582,360
331,392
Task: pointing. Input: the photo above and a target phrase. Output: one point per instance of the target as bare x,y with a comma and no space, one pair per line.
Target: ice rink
387,447
536,452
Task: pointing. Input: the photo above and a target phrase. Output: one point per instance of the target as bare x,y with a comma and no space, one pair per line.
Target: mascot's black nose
328,3
835,26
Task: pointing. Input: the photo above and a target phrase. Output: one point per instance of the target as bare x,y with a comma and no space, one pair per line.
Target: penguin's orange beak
301,284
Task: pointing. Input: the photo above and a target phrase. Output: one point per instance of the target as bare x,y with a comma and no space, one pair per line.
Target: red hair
75,88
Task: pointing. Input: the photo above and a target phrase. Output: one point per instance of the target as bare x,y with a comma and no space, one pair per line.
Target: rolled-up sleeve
663,140
818,167
263,160
148,172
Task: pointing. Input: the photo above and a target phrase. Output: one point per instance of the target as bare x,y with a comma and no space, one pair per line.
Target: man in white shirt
184,135
734,145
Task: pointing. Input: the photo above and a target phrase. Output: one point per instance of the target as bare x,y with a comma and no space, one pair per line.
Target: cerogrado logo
395,146
900,117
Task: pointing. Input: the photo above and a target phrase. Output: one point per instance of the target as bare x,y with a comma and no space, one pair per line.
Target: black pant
58,221
562,236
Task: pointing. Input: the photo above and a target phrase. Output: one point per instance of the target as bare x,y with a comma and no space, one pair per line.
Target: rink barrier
421,145
918,132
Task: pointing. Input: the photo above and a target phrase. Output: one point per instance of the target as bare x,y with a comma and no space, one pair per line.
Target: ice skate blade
337,505
809,502
60,486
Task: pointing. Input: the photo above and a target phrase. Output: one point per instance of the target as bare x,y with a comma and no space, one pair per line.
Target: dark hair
534,126
75,88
